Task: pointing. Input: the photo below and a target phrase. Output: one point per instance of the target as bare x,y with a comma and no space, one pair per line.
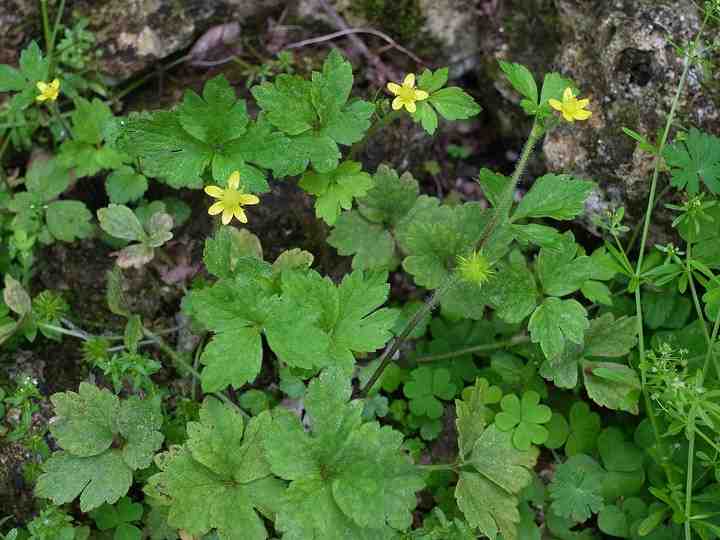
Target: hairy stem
499,216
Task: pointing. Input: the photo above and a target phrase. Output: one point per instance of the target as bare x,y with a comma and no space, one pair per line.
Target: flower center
406,93
231,198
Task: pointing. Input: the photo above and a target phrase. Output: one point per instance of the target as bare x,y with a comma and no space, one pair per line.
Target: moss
402,19
534,28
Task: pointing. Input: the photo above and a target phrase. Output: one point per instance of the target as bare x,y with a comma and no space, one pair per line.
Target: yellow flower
571,107
231,200
475,268
48,91
406,95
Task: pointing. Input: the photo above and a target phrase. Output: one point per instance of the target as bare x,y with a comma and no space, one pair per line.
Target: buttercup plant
528,386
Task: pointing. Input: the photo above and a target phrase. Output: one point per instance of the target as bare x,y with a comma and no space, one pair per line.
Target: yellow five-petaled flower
48,91
571,107
231,200
406,95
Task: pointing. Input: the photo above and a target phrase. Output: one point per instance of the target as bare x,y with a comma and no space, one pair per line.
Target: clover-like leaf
426,387
524,418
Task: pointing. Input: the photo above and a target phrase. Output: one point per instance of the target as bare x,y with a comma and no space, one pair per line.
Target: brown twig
350,31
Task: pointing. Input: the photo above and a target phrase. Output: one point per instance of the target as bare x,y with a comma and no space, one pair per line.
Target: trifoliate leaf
223,462
576,488
554,196
335,190
557,322
390,198
348,479
560,271
68,220
524,419
553,87
124,185
315,114
488,496
372,246
695,159
558,429
87,426
426,387
454,103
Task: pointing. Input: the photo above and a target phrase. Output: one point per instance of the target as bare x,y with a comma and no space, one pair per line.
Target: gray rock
619,54
132,34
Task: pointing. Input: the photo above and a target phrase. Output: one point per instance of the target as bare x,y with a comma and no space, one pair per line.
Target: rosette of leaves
37,210
212,131
452,103
348,479
315,115
307,320
103,440
121,222
219,479
492,470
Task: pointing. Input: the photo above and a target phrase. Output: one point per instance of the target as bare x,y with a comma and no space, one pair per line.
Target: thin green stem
650,411
499,215
487,347
689,474
60,330
183,364
47,31
711,352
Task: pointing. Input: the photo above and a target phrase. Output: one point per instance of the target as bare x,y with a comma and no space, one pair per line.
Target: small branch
517,340
351,31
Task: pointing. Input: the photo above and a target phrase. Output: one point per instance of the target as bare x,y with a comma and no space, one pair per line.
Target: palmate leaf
336,189
576,489
372,246
87,425
349,480
178,146
315,114
350,313
219,479
239,313
693,160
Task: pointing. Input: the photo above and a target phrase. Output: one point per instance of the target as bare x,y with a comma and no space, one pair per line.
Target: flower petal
421,94
555,104
216,208
568,94
234,180
409,80
239,213
394,88
410,106
582,103
397,103
41,86
55,84
569,117
214,191
582,115
227,216
248,198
